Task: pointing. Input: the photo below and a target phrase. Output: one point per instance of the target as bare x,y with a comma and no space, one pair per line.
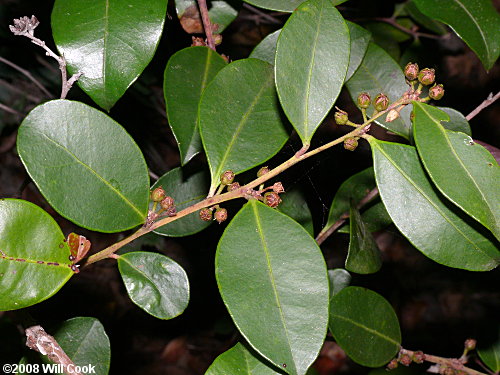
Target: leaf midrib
271,275
106,183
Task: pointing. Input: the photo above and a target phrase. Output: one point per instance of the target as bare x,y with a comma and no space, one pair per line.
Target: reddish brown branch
489,101
207,25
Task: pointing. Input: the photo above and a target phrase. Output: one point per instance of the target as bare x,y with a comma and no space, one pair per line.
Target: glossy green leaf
359,39
457,122
450,157
433,227
110,41
295,205
250,132
363,256
85,342
155,283
375,217
379,73
354,188
239,361
339,279
221,13
266,49
365,325
86,165
187,187
269,280
308,80
423,20
28,237
490,355
475,21
283,5
187,74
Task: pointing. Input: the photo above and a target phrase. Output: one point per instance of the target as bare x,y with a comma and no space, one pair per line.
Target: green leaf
450,157
359,39
250,132
375,217
29,236
85,342
363,256
187,187
339,279
86,165
476,22
239,361
295,205
433,227
312,57
356,188
283,5
221,13
457,122
379,73
266,49
423,20
187,74
269,280
359,316
490,355
155,283
111,42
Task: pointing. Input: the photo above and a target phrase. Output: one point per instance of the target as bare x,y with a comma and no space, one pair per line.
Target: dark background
438,307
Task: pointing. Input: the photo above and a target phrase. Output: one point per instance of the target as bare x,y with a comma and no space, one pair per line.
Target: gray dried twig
25,26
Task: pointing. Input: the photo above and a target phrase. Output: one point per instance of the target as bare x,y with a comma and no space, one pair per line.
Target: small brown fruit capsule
158,194
167,202
436,92
227,178
205,214
263,171
272,199
392,364
220,215
470,344
427,76
381,102
341,117
364,100
350,144
418,357
411,71
405,360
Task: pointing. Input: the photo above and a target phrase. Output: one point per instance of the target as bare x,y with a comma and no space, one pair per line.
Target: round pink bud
427,76
364,100
263,171
470,344
405,360
233,186
392,364
411,71
436,92
220,215
278,188
381,102
167,202
419,357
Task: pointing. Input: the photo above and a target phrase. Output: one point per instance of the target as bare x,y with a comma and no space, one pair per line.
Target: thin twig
25,26
207,25
327,232
27,74
40,341
243,192
487,102
453,363
10,110
392,22
261,14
